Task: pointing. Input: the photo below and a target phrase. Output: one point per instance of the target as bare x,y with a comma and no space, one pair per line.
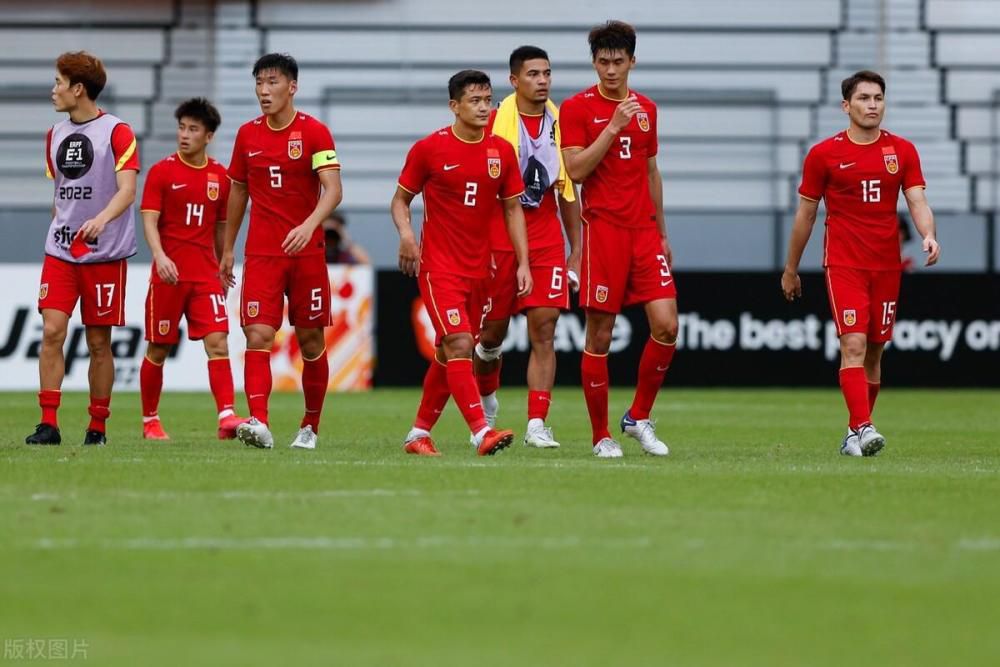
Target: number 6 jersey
191,200
860,184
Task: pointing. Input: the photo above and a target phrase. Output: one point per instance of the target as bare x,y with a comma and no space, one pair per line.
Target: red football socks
315,379
855,389
489,382
653,367
462,384
150,386
257,382
538,404
220,381
48,401
434,397
100,410
594,375
873,388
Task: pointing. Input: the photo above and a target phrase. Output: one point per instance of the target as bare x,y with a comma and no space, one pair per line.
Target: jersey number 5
275,171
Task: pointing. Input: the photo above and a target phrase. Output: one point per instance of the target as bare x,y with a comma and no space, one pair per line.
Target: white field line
248,494
323,543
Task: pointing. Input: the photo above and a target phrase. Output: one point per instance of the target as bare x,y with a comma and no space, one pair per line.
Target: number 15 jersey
860,184
281,170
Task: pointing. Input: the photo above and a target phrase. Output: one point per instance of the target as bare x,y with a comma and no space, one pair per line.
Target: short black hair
612,36
462,80
201,110
522,54
848,85
282,62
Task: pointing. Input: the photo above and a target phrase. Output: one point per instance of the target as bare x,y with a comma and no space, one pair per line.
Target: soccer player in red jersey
183,213
93,159
610,145
286,162
859,173
529,121
460,170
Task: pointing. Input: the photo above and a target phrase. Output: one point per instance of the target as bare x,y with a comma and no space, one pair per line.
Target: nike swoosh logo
665,283
884,331
845,166
255,396
331,156
313,317
221,319
660,369
555,295
595,385
449,167
601,120
104,313
253,153
436,411
474,405
178,186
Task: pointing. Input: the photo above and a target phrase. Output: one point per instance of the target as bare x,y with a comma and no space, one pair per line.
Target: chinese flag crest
493,162
642,118
295,145
891,161
213,187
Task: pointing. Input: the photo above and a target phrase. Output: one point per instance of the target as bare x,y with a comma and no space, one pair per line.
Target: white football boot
644,431
851,445
539,435
254,433
607,448
304,439
871,441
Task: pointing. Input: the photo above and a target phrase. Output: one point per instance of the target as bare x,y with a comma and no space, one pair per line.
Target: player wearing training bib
183,213
93,159
529,121
460,171
610,144
859,173
286,163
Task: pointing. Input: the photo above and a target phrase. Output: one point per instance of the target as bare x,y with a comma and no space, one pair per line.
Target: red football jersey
280,168
860,184
544,229
617,191
191,201
460,182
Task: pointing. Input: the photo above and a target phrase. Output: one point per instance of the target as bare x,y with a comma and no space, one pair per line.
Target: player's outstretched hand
524,280
933,250
166,269
91,229
791,285
409,255
226,271
623,114
297,239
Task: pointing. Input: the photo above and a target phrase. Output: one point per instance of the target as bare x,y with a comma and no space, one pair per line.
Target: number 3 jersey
281,170
83,159
860,184
191,200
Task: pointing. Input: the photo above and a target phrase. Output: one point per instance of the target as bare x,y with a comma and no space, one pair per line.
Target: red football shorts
456,304
268,280
203,305
863,301
622,266
100,287
548,271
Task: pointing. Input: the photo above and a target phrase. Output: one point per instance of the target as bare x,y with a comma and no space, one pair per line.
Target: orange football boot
227,426
422,446
153,430
495,441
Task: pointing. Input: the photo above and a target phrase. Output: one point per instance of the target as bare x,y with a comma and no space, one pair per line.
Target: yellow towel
506,126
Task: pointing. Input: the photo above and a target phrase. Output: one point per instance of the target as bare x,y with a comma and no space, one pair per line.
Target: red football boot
227,426
495,441
153,430
422,446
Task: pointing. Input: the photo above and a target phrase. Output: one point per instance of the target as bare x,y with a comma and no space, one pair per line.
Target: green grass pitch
754,543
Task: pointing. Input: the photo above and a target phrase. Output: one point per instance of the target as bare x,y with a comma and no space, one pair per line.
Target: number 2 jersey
191,200
860,184
281,170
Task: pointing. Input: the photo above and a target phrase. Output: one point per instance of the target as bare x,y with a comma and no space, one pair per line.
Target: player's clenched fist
791,285
623,114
